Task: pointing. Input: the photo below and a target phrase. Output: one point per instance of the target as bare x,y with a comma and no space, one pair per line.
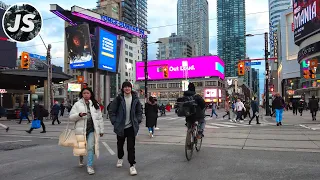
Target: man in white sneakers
126,115
239,107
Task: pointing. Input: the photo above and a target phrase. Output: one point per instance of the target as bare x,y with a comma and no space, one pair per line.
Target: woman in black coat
151,111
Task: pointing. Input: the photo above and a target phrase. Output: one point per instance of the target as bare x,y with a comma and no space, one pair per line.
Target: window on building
126,52
126,46
130,61
130,54
130,48
126,73
127,60
60,91
152,86
163,85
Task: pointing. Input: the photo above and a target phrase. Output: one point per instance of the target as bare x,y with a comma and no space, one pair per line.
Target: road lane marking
223,125
15,141
108,148
211,127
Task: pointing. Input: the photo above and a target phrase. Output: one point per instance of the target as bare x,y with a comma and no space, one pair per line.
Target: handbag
36,124
68,137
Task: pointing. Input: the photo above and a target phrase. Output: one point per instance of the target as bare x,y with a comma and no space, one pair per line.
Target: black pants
254,115
314,114
228,114
62,112
295,111
300,111
55,117
246,113
239,115
131,142
42,125
24,115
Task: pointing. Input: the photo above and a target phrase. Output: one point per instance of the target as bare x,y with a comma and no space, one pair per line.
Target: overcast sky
162,20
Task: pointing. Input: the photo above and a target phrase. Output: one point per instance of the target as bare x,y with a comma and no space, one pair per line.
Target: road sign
253,63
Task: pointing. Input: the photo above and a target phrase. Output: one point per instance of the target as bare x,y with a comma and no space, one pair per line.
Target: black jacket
38,111
117,112
278,103
313,105
254,106
151,114
200,114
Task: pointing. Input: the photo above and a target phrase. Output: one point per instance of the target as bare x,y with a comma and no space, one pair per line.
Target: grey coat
117,112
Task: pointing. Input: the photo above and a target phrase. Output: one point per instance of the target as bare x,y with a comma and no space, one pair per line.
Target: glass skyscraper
193,22
231,34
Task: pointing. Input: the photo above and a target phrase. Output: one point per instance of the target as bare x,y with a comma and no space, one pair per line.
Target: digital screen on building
210,93
107,58
79,46
306,19
194,67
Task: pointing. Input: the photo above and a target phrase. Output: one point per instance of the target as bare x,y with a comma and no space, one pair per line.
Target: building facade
231,34
174,47
193,22
276,7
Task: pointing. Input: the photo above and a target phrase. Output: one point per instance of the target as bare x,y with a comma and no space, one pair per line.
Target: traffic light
306,74
165,72
312,73
25,60
271,88
241,68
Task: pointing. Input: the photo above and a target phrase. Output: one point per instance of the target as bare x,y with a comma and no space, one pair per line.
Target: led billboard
79,46
306,19
194,67
107,58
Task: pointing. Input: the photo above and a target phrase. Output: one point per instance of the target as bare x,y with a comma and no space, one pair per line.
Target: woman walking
278,104
88,127
151,115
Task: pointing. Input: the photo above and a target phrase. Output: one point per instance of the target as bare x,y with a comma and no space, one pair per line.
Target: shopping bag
68,137
36,124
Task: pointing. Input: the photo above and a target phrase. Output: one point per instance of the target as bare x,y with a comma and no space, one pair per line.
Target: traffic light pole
146,75
49,80
266,54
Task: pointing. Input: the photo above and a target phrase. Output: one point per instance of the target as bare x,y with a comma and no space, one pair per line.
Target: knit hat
191,87
126,84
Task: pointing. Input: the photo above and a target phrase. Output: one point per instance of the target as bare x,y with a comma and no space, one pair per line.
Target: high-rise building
174,47
231,34
276,7
193,22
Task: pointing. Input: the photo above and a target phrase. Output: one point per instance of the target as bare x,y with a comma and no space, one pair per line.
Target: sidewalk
289,118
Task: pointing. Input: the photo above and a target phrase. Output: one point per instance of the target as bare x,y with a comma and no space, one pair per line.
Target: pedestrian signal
165,72
241,67
312,73
25,60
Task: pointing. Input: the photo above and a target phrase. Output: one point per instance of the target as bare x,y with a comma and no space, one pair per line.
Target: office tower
231,34
193,22
174,47
276,7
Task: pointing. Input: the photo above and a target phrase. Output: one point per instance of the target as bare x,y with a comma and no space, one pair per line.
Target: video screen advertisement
107,58
8,49
79,46
174,68
306,19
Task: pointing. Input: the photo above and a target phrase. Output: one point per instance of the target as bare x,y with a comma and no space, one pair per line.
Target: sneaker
28,132
150,134
90,170
156,128
81,161
43,131
7,129
119,163
133,171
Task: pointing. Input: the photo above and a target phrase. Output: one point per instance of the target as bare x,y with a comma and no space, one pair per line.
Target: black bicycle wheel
198,142
189,145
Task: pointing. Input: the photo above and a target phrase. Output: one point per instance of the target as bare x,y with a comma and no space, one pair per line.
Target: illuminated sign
107,51
210,93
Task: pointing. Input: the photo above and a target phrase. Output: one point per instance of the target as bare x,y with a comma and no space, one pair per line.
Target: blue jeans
279,115
214,112
151,129
90,148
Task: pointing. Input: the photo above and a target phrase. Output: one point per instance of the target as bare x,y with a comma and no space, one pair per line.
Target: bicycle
192,141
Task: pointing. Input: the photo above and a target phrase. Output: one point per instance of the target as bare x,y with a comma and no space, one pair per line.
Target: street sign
253,63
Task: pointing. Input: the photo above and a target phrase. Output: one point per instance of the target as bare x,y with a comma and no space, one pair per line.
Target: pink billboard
194,67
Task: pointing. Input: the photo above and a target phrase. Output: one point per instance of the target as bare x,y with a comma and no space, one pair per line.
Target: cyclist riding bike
200,110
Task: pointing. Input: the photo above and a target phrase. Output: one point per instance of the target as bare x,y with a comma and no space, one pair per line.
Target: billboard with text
107,51
306,19
190,67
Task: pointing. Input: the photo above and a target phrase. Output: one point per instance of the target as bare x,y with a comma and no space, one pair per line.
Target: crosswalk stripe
223,125
212,127
237,124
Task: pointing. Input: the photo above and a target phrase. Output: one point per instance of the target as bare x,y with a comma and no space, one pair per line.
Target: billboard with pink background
194,67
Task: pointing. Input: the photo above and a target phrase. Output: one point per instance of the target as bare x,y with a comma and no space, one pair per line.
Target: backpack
45,113
186,106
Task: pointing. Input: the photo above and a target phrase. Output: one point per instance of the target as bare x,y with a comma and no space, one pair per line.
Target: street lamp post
146,71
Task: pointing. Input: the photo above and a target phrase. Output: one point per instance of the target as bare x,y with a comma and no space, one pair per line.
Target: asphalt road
230,151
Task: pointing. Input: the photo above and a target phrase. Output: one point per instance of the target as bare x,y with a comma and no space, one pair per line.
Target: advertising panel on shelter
306,19
107,58
79,46
194,67
74,87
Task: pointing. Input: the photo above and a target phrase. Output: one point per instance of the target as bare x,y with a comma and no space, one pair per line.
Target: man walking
38,112
214,107
24,112
239,107
62,108
313,106
227,109
55,112
126,115
255,110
